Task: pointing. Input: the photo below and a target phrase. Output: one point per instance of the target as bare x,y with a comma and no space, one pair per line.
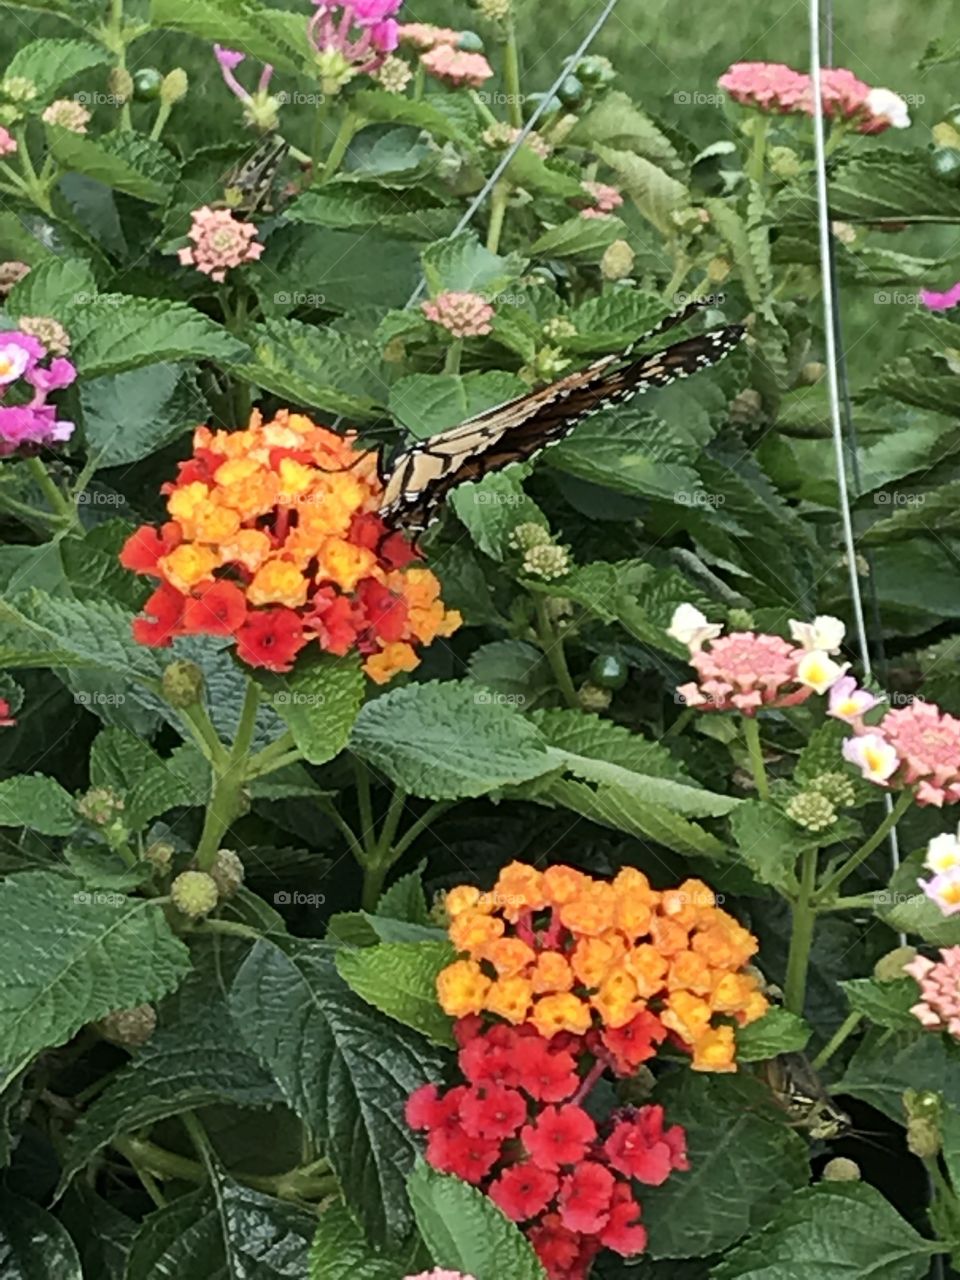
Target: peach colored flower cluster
220,242
775,87
465,315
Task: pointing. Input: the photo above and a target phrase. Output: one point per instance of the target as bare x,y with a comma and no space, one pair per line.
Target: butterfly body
799,1091
422,476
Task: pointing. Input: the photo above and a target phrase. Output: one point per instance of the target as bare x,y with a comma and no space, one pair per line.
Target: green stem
365,803
160,123
421,824
842,1033
348,127
801,938
419,81
314,1178
681,266
233,928
511,77
271,766
830,886
159,1161
388,831
119,46
751,732
498,211
58,502
374,874
451,363
20,187
482,108
756,164
226,800
204,734
333,813
553,651
681,722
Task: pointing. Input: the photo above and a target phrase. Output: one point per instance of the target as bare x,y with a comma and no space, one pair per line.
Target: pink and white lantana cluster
939,1006
745,671
220,242
774,87
915,746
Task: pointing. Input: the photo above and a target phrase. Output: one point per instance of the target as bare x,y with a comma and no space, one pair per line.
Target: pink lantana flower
352,38
7,719
456,67
744,672
440,1273
939,980
850,703
941,301
944,890
465,315
604,197
8,143
423,35
260,109
928,741
770,86
220,242
873,755
774,87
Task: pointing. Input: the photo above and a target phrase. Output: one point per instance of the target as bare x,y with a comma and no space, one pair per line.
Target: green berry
182,684
129,1028
146,84
470,42
194,893
571,91
609,671
595,70
227,873
812,810
945,164
840,1169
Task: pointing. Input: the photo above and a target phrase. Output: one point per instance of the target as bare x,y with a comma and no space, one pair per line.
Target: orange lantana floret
553,1014
462,988
285,512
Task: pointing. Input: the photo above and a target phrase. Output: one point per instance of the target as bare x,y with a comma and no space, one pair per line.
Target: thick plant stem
451,363
511,77
374,874
751,731
59,503
226,801
348,127
833,883
498,210
842,1033
756,164
801,939
553,650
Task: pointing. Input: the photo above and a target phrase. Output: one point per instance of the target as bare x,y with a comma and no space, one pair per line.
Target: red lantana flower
164,609
217,609
635,1043
523,1190
547,1075
492,1112
271,638
585,1197
623,1233
451,1150
641,1148
559,1136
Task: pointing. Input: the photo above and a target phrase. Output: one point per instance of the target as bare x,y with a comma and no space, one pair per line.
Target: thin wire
519,140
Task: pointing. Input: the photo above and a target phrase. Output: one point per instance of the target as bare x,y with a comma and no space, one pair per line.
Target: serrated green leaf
616,120
405,899
751,254
227,1232
127,416
426,403
319,703
114,332
768,843
381,107
465,1231
905,907
266,34
585,238
840,1230
339,270
57,287
127,162
513,669
879,184
887,1063
655,193
778,1031
345,1069
37,802
340,1251
51,63
736,1137
68,957
462,264
887,1004
613,320
493,508
319,368
400,979
415,736
33,1244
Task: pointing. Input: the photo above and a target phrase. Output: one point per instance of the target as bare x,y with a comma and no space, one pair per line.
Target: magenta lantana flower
941,301
259,108
939,980
8,143
352,38
220,242
440,1273
456,67
465,315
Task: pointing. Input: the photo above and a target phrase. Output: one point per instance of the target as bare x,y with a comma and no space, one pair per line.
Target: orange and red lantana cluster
274,539
568,953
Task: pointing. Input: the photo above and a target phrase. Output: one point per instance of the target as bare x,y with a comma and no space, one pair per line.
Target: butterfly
248,188
422,476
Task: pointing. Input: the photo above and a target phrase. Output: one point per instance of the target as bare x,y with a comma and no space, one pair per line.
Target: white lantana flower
943,854
818,671
889,105
825,633
873,755
689,626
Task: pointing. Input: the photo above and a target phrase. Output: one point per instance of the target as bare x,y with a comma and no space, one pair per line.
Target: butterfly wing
423,476
249,186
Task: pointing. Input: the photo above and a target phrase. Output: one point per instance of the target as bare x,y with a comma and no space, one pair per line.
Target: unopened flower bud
470,42
159,854
558,328
120,84
784,162
812,372
11,273
836,786
844,232
592,698
890,967
547,364
547,562
923,1109
840,1169
812,811
174,87
530,534
194,893
740,620
48,331
394,74
746,408
182,684
18,89
493,10
618,261
594,69
227,873
129,1028
100,806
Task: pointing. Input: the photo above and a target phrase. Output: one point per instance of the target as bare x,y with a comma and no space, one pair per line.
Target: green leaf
265,34
426,403
492,509
319,702
340,1251
603,740
405,899
127,162
514,669
532,173
751,254
611,320
835,1230
465,1231
33,1244
380,107
768,842
778,1031
462,264
616,120
227,1232
655,193
678,797
80,12
128,416
885,1003
68,957
51,63
415,736
882,184
114,332
338,270
886,1063
905,907
736,1138
345,1069
57,287
400,979
37,802
344,207
197,1058
585,238
319,368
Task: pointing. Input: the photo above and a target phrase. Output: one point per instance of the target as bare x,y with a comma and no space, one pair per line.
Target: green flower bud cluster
836,787
593,698
923,1109
740,620
196,893
811,810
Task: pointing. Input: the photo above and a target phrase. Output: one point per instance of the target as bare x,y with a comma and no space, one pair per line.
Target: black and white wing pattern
422,476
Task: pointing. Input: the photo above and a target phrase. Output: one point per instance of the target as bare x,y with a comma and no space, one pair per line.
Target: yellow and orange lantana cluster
274,539
566,952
